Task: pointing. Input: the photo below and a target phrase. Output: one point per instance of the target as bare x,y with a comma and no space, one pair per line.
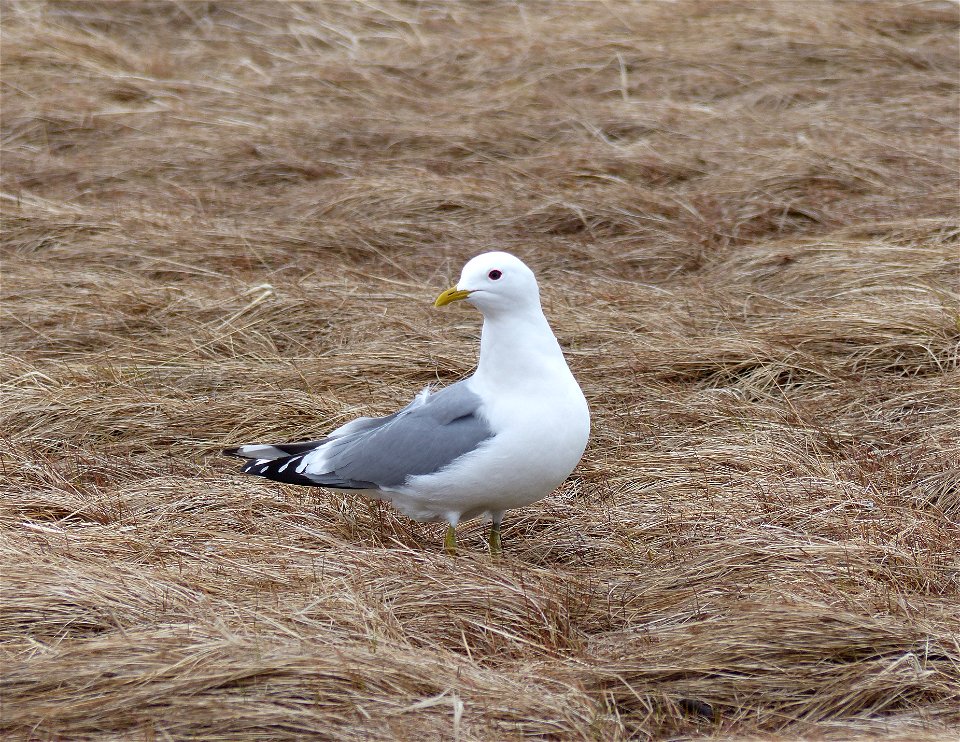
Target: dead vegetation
225,222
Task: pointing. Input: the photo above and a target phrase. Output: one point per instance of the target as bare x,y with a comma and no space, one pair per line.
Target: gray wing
423,438
269,451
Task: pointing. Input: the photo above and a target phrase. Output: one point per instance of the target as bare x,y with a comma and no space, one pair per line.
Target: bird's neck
519,348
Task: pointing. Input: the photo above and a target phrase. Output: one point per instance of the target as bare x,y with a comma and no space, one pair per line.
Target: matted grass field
226,222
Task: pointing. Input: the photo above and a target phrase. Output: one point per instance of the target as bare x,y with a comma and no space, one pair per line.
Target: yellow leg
450,541
494,540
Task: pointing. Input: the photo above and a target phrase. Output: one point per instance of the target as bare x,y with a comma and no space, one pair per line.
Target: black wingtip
231,452
279,470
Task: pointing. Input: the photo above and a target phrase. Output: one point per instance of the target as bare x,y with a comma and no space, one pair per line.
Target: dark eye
494,275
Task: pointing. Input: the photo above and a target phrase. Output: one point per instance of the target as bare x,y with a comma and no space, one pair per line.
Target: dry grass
225,222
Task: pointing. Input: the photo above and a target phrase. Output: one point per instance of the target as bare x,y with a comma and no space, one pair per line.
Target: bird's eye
494,275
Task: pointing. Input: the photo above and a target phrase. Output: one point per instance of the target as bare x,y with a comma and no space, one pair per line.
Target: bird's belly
523,463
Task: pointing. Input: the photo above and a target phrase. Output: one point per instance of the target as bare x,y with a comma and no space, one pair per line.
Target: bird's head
495,282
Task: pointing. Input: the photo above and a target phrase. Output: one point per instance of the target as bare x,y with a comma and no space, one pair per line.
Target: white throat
519,349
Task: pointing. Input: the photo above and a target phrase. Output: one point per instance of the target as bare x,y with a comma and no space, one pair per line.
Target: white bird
503,438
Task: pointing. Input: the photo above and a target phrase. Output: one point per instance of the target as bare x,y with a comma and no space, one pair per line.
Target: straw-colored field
226,222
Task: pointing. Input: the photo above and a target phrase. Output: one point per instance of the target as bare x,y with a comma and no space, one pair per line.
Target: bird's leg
494,540
450,541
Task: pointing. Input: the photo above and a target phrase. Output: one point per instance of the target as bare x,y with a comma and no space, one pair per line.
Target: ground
226,222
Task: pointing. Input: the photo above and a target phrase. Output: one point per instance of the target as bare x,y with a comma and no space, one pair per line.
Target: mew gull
503,438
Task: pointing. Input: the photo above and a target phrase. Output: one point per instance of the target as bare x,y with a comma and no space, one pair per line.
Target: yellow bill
450,295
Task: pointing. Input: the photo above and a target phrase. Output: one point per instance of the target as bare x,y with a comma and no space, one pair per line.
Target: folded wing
379,453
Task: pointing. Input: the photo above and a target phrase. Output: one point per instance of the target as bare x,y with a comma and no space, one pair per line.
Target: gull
503,438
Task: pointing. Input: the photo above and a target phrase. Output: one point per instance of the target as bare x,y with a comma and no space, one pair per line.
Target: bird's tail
271,451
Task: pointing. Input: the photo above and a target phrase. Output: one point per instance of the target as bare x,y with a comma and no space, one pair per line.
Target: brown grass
225,222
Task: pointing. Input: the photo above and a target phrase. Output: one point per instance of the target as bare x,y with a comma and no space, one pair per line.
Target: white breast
539,436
